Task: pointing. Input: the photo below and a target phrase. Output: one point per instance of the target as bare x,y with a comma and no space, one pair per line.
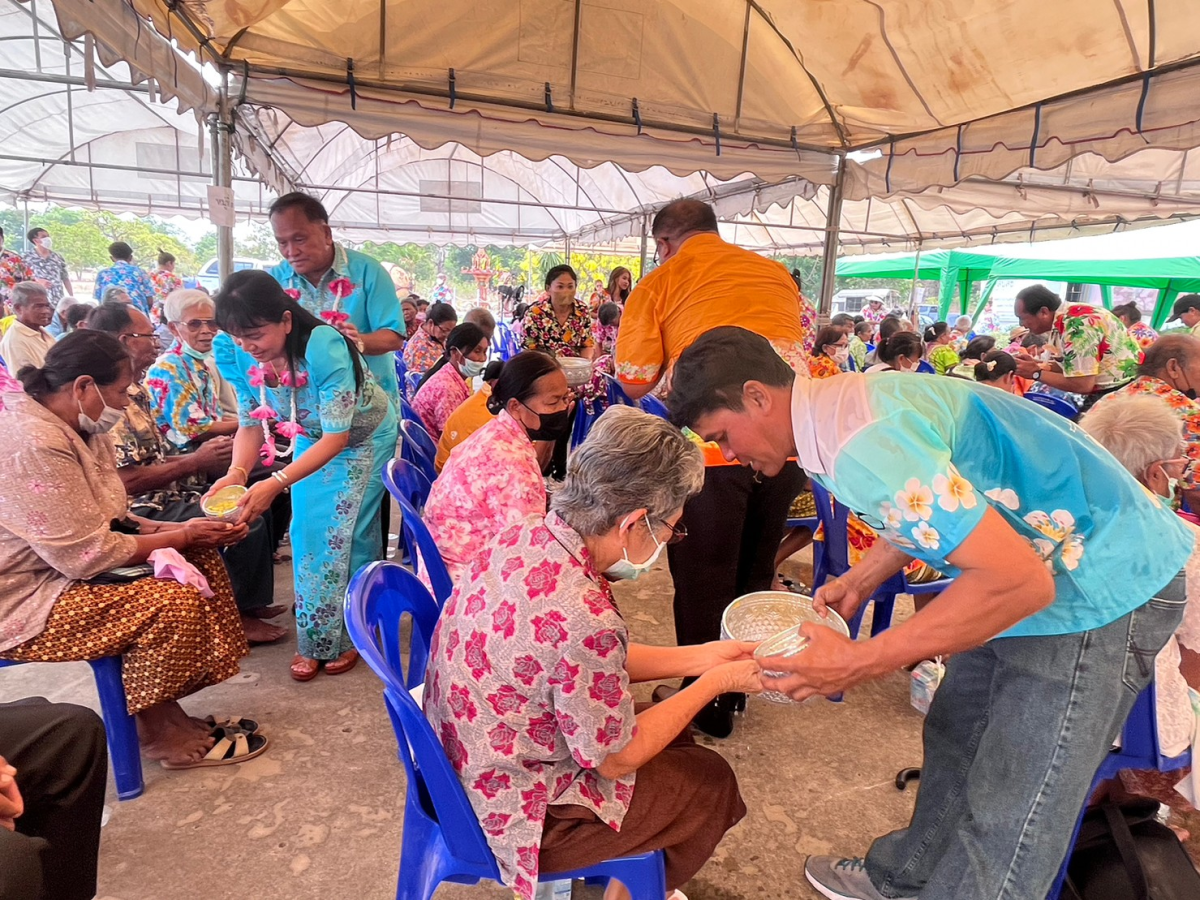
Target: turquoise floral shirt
326,403
371,303
184,396
921,459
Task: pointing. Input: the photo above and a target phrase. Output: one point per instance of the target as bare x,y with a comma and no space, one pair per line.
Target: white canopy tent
406,151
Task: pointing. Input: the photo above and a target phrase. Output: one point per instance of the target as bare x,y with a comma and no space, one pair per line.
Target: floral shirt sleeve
944,358
164,282
544,332
823,367
442,394
1188,412
490,481
12,271
527,689
1143,334
182,397
1093,341
421,352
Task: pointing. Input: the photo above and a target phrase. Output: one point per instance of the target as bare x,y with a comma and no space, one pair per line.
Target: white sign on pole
220,206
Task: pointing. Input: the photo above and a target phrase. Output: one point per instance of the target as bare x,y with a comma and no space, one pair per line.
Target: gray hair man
115,294
484,320
27,341
1170,374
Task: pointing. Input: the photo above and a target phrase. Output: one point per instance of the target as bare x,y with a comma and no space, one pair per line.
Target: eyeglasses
139,334
678,532
197,324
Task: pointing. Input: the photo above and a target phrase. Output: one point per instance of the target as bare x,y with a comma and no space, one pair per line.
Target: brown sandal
343,663
303,668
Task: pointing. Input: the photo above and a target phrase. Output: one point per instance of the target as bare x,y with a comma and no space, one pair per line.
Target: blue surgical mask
627,570
191,351
471,368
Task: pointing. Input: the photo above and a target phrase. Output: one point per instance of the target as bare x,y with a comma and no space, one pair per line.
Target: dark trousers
734,528
251,569
62,764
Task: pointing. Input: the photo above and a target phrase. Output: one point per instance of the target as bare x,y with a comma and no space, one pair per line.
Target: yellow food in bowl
220,507
224,502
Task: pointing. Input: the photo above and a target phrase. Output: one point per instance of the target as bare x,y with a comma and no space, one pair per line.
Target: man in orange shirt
736,523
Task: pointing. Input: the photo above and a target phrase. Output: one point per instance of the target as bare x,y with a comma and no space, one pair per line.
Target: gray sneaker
842,879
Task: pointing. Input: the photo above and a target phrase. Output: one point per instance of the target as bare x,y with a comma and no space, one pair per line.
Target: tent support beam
741,88
832,223
72,81
645,229
575,35
222,167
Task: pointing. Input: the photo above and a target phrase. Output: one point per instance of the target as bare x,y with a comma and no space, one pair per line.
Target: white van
210,279
852,301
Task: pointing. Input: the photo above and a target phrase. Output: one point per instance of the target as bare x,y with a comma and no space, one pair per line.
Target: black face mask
1190,392
551,426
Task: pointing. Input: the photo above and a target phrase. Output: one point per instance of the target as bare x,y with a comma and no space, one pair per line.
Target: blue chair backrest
403,479
401,372
378,596
414,455
414,381
408,414
505,342
419,543
1064,408
415,432
833,517
654,407
925,367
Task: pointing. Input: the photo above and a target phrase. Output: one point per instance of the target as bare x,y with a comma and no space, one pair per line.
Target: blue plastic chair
1064,408
408,414
1139,750
124,751
441,839
403,479
505,343
416,438
414,455
654,407
401,375
414,381
418,543
925,367
833,560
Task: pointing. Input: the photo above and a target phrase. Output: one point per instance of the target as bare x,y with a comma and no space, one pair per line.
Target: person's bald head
1175,359
483,319
678,221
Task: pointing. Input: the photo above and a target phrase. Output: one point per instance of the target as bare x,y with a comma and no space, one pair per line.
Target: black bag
1124,853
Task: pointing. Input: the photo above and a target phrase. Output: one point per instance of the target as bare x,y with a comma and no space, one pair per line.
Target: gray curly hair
630,460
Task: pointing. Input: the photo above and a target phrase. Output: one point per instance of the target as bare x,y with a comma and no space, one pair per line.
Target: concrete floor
319,815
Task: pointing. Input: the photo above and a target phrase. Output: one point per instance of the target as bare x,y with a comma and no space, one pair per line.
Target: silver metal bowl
230,493
578,371
775,617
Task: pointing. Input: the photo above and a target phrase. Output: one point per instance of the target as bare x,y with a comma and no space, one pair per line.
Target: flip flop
300,668
234,747
247,725
343,663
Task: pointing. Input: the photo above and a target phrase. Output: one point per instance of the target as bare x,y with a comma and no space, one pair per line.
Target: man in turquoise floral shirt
347,289
1067,581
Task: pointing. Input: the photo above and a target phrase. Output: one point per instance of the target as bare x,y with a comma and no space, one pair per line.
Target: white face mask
46,242
471,368
840,355
627,570
107,421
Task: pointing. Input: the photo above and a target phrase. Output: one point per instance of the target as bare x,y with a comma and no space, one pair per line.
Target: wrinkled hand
839,595
258,500
215,454
741,677
719,652
831,663
11,803
206,533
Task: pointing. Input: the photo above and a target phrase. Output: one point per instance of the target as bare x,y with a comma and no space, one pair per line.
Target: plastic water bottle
553,890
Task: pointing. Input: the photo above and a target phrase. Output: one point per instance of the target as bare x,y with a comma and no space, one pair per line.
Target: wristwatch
1037,376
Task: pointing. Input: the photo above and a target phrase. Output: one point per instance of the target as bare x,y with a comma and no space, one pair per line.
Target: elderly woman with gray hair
1145,436
530,668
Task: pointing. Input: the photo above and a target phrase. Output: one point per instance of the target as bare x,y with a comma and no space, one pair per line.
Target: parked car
209,278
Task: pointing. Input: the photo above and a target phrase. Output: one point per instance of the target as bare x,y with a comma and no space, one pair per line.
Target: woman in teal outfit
302,384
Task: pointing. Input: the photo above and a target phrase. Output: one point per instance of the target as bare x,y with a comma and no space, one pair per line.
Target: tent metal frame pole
222,149
500,201
832,224
575,36
645,230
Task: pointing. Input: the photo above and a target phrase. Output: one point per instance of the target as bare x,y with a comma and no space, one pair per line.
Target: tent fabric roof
946,90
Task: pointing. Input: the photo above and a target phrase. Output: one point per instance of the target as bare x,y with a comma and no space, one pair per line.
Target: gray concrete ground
319,814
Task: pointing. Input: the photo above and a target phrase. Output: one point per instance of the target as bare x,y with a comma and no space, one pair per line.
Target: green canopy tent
954,269
1166,258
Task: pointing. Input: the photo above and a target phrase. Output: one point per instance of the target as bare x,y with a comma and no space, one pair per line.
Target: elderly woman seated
446,386
66,536
493,479
1146,438
530,668
184,383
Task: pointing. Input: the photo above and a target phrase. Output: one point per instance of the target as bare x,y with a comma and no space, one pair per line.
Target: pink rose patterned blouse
528,692
491,480
442,394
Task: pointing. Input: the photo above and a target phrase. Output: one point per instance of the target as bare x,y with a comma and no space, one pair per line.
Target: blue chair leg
124,751
881,616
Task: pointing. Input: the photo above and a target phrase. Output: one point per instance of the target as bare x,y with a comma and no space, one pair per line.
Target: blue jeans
1012,741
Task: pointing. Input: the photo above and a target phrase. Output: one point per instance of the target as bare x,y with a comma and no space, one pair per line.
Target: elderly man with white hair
184,383
27,341
1145,437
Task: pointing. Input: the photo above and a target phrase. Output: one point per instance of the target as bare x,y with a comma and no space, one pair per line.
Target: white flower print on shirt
927,536
915,501
1006,497
953,491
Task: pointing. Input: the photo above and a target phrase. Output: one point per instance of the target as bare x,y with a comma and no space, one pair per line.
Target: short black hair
978,347
711,373
441,313
1037,297
560,270
841,320
111,317
1180,347
681,217
863,326
34,232
518,376
120,250
313,209
609,313
994,366
1129,311
76,313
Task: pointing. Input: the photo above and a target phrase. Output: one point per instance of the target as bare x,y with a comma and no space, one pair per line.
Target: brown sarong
684,800
172,640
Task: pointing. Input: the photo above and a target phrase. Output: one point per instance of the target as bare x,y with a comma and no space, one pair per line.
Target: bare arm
644,662
219,428
376,343
638,391
139,479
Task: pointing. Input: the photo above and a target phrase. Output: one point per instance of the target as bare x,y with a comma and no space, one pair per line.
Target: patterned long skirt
335,531
172,641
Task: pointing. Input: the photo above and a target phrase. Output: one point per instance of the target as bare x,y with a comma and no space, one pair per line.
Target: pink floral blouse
442,394
491,480
421,352
527,689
